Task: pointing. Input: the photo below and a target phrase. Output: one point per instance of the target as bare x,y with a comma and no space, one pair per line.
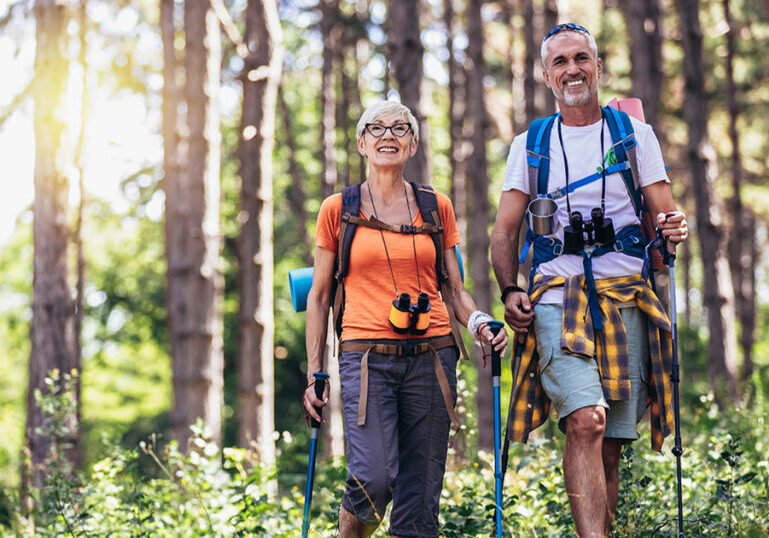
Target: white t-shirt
583,151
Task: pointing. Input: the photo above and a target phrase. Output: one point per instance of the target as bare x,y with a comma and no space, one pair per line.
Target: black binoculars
407,317
598,230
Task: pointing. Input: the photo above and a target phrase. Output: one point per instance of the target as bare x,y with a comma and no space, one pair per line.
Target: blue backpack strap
538,154
623,138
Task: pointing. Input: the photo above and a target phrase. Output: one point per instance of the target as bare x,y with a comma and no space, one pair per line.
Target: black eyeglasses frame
367,128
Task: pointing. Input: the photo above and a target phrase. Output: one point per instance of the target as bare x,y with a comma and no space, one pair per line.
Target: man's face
572,72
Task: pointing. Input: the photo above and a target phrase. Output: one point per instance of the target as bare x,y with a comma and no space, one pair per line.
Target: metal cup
541,215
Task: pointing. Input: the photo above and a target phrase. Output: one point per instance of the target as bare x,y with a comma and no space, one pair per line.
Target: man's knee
586,424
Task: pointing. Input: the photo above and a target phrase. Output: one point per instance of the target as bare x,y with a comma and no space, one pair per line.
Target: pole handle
320,387
496,358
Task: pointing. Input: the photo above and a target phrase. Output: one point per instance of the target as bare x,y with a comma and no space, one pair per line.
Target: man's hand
310,401
518,311
673,227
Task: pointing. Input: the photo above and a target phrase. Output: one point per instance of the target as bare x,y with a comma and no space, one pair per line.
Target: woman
398,374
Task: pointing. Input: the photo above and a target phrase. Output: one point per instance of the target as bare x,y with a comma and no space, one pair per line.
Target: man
594,316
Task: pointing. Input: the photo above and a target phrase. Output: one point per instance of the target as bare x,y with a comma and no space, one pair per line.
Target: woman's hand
310,401
498,342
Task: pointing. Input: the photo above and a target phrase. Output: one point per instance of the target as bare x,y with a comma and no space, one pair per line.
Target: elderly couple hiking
595,339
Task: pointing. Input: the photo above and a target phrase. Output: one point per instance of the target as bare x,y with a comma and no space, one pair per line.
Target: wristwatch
508,290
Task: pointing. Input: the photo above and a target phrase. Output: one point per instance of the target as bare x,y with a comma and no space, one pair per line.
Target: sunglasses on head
565,26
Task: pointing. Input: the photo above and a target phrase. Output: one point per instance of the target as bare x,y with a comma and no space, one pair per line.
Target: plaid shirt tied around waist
530,404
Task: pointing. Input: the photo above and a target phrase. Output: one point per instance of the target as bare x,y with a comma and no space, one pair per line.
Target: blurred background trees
210,135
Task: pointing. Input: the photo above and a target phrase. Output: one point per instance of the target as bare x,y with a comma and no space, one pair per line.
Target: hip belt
401,349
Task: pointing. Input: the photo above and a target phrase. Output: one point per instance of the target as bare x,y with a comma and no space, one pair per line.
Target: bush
209,492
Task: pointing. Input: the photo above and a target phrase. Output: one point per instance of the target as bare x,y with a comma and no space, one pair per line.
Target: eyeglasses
377,130
565,26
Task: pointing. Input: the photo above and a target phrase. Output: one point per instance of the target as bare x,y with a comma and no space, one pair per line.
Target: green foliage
213,493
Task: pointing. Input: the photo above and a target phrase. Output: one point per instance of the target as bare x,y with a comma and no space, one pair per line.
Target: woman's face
388,150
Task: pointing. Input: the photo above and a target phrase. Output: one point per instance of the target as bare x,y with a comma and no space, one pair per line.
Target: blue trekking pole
496,371
320,385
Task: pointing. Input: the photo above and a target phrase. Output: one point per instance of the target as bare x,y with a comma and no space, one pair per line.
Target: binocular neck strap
566,164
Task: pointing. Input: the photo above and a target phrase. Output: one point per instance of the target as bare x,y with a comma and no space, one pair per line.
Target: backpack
625,162
633,241
350,220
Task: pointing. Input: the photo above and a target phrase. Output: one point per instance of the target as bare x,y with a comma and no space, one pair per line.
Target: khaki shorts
574,382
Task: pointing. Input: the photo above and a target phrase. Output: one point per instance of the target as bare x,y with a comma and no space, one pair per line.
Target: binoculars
407,317
598,230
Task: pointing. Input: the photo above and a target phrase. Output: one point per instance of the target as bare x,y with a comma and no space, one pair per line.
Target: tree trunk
741,241
256,397
456,120
550,19
78,233
478,199
193,236
53,311
531,51
296,196
361,57
644,26
719,298
405,53
347,146
330,35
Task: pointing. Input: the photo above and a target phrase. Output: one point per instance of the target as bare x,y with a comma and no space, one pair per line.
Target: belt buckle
618,246
558,249
407,348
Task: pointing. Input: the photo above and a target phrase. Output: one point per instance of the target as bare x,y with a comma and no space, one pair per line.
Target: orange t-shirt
369,290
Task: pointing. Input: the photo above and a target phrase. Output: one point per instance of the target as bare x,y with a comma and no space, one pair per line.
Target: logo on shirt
610,159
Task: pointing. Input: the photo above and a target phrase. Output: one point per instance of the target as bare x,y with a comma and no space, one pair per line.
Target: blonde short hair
386,108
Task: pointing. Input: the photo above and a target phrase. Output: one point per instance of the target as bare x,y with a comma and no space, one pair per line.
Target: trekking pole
518,352
320,385
496,371
670,259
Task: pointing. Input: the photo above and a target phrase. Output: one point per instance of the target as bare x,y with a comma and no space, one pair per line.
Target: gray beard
571,99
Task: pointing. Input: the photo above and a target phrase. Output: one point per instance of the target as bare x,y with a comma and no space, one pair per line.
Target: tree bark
193,236
457,106
531,51
719,297
644,27
261,78
550,19
478,200
330,35
296,196
53,310
405,53
742,239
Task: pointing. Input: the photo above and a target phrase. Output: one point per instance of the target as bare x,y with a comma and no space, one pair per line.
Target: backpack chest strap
373,222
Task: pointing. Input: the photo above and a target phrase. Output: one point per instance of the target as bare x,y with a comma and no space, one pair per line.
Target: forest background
164,164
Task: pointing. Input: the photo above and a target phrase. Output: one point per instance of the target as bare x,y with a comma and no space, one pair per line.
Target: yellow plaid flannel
530,404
